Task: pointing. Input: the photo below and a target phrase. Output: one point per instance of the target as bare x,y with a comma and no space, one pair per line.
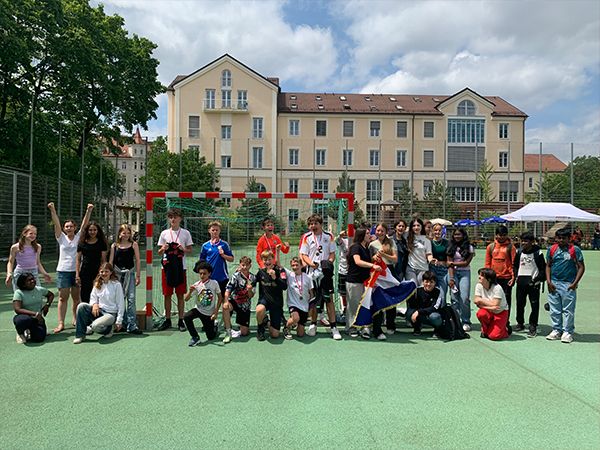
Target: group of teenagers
102,280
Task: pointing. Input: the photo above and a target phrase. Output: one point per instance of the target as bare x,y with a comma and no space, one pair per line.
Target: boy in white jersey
299,292
318,246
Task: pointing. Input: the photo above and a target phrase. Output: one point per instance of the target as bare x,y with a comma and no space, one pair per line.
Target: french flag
382,291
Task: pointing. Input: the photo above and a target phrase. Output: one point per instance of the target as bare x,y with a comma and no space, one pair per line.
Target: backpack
451,328
554,248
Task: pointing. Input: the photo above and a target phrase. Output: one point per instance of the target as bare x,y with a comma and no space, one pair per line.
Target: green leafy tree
484,183
407,198
252,211
345,184
433,206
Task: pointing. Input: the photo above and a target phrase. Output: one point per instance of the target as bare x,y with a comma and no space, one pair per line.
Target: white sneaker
466,327
21,339
227,338
382,337
389,332
324,320
27,335
88,330
567,338
554,335
335,334
78,340
365,333
235,334
312,330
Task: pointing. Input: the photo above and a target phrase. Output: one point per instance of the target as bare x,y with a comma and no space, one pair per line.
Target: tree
345,184
407,198
484,183
433,206
252,211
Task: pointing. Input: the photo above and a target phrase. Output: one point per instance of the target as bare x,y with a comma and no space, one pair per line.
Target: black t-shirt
91,255
124,257
358,274
271,289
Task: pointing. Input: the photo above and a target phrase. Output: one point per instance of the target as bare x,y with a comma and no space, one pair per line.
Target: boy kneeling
206,308
423,307
299,292
272,282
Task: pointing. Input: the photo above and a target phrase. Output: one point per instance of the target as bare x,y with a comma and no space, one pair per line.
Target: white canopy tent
550,212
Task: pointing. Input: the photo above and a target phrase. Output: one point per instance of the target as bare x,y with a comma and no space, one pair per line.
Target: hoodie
500,257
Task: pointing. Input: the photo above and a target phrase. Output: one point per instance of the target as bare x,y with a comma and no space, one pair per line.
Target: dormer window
466,108
226,79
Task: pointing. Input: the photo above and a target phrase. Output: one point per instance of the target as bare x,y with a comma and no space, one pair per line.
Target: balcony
211,106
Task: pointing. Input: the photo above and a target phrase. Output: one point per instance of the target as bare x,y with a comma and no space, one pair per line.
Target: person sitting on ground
238,293
423,307
206,308
493,308
105,309
30,309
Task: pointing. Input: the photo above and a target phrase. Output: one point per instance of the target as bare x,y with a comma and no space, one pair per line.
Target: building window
294,127
427,185
226,79
225,162
428,129
503,131
242,100
346,157
374,158
503,160
530,182
226,132
466,108
293,185
372,212
320,157
141,151
135,151
465,193
225,99
257,128
427,158
321,128
124,165
399,188
293,217
374,128
135,179
294,154
466,131
135,165
257,157
400,158
141,166
401,129
506,194
373,190
321,186
194,127
348,128
209,99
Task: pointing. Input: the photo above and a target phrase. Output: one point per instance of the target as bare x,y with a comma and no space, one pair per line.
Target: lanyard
176,237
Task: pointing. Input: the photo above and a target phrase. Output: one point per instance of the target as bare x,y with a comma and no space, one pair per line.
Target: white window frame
242,100
210,99
503,159
401,158
257,127
321,186
225,161
293,156
425,129
257,157
294,127
347,157
405,129
293,185
374,158
225,99
193,133
344,122
320,157
503,130
317,122
226,79
374,131
427,151
226,132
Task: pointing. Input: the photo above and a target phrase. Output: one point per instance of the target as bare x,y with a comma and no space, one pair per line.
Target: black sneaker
135,331
483,336
287,334
547,306
181,325
417,332
165,325
260,333
509,329
520,327
532,332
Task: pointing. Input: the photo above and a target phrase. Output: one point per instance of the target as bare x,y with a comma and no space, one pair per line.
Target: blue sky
542,56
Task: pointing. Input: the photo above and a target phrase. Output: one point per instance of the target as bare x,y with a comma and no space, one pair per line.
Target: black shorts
321,295
275,313
342,284
242,315
303,314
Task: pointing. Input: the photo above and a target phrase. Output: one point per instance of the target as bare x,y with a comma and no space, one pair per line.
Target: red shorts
168,290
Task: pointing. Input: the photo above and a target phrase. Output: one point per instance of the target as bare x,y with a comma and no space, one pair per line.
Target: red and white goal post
150,220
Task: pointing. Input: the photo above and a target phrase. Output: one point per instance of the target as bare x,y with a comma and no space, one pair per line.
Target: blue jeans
461,300
101,324
434,319
127,280
441,272
562,307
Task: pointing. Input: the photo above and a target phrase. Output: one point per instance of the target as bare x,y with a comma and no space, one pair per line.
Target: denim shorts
65,280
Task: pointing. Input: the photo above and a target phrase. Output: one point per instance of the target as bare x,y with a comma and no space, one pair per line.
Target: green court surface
152,391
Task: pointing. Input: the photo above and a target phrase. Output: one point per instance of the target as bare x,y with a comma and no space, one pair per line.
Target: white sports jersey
317,247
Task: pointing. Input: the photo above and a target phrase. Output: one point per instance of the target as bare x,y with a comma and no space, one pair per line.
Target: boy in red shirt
271,242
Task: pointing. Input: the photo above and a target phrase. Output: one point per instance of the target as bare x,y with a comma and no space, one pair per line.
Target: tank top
124,257
27,259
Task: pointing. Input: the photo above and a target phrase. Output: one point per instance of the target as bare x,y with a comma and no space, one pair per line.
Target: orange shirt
271,243
500,260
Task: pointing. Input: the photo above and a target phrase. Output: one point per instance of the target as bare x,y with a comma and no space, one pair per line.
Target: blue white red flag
382,291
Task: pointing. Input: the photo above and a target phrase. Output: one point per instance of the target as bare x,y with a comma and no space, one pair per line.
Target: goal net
241,215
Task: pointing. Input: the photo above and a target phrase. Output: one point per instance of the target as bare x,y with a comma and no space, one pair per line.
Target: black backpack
451,328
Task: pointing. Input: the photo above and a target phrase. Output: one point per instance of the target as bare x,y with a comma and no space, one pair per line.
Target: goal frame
152,195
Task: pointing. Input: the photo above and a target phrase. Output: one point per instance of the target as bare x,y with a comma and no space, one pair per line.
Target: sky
543,56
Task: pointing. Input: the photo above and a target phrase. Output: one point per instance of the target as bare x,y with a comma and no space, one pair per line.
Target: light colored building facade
304,141
536,167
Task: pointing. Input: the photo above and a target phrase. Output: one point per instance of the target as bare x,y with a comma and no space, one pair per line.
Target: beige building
534,166
303,142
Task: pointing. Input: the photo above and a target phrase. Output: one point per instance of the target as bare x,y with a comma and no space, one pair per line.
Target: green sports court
152,391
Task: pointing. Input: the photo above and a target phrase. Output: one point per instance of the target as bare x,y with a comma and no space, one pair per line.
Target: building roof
550,163
300,102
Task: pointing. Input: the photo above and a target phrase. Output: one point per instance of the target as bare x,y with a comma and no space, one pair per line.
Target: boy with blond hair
271,280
